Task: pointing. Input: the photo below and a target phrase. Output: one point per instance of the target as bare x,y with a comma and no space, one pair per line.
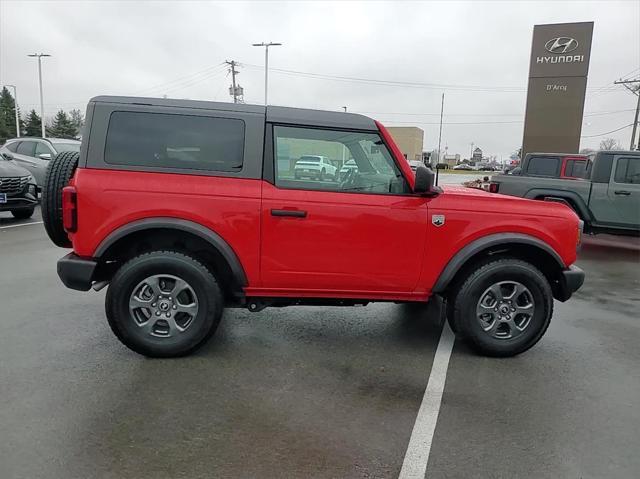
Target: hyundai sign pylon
557,84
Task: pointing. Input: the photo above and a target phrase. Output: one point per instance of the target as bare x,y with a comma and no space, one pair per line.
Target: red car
184,207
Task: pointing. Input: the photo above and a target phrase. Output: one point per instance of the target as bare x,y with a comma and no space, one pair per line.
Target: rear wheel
22,214
502,308
59,173
163,304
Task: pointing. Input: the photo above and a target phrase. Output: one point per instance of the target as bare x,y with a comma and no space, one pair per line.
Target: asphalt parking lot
312,392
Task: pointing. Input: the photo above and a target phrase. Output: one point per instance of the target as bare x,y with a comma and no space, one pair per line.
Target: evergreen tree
61,126
33,125
77,120
7,115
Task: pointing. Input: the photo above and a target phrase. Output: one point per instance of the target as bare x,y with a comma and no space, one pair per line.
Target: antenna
439,140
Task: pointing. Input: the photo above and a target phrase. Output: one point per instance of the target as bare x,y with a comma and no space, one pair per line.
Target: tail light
580,233
69,209
494,187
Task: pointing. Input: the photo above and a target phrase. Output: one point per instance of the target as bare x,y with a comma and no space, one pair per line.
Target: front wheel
502,308
163,304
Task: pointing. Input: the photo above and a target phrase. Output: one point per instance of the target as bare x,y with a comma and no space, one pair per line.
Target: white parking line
415,461
23,224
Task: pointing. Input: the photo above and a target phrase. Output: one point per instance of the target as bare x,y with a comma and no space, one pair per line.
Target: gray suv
34,154
17,189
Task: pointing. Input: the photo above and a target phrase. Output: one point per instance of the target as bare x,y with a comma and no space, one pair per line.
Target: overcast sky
476,52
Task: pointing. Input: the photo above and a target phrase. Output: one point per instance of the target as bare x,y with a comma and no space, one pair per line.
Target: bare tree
610,144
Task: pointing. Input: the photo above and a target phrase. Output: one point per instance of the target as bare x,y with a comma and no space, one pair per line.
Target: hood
9,169
478,200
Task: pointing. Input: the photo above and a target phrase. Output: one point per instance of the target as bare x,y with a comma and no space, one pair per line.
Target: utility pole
39,57
266,64
344,108
15,100
440,139
236,90
636,92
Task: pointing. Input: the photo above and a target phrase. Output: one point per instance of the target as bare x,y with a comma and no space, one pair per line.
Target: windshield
62,147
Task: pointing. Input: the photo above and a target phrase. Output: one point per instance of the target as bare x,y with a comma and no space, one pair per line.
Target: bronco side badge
437,220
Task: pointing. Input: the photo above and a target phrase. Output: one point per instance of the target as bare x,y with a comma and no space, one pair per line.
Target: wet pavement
312,392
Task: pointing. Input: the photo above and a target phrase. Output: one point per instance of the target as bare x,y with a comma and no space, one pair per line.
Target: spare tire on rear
59,172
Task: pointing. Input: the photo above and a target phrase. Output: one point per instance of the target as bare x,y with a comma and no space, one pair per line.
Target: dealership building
409,139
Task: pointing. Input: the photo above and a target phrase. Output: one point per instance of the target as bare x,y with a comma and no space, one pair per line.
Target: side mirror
425,179
7,156
44,156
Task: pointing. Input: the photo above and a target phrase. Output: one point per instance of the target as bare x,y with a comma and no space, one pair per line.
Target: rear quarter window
12,146
543,166
175,141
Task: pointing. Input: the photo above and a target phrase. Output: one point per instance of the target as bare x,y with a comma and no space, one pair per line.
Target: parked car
608,200
350,165
17,189
464,167
34,154
414,164
554,165
178,240
315,166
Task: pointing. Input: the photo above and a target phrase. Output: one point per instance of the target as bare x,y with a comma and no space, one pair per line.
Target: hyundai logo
561,45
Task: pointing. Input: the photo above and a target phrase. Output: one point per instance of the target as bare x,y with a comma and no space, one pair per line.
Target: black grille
13,185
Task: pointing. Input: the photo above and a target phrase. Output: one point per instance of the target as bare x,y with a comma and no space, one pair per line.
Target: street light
39,56
15,99
266,63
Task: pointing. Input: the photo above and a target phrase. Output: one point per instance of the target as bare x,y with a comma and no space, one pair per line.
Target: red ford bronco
185,207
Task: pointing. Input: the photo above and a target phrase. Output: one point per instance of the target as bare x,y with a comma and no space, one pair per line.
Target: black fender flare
192,227
470,250
570,196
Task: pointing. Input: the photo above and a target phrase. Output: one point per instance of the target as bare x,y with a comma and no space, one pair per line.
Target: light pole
39,56
15,100
266,63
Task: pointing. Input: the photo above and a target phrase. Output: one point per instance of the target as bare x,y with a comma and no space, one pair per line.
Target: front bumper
20,201
571,281
76,272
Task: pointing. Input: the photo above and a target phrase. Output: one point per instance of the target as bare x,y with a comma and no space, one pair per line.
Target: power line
181,79
450,86
607,132
593,113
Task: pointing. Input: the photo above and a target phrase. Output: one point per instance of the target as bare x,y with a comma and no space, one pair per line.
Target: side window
26,148
174,141
42,148
579,169
364,162
12,146
543,166
628,171
568,169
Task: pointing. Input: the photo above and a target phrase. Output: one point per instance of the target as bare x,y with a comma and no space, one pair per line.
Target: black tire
22,214
464,300
57,176
322,173
197,276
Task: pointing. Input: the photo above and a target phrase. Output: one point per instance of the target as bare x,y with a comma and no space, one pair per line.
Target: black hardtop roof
620,152
275,114
556,154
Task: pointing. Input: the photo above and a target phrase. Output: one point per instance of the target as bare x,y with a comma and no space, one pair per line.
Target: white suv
313,166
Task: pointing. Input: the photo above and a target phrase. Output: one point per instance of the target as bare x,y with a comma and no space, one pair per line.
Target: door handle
622,192
292,213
